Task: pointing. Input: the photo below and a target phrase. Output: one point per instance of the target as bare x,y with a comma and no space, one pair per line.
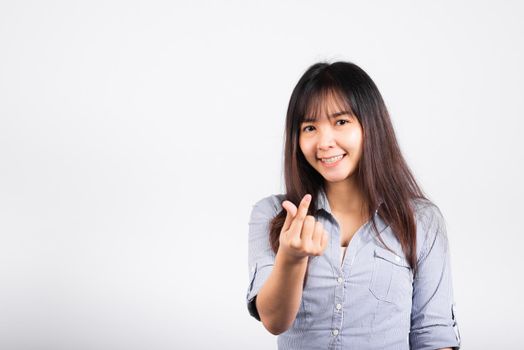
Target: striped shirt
370,300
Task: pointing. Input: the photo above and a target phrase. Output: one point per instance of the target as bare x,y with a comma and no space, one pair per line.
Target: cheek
358,145
304,146
354,138
308,151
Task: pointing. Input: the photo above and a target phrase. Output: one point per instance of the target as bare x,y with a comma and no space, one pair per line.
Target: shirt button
340,280
334,332
338,306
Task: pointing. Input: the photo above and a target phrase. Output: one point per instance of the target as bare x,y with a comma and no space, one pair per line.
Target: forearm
279,298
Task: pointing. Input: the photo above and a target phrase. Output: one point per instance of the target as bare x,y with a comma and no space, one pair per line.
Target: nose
326,139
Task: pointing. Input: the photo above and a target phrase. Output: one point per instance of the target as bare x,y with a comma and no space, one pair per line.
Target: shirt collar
322,201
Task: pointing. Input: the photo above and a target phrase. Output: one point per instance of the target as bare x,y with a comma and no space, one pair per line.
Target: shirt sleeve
433,322
260,255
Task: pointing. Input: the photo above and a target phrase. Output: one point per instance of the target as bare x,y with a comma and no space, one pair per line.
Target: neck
345,197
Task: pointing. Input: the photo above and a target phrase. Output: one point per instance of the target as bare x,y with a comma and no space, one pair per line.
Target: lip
331,165
336,155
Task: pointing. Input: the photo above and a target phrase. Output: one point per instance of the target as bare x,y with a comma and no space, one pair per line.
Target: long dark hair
383,175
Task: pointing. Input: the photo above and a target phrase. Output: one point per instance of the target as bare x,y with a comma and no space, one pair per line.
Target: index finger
298,220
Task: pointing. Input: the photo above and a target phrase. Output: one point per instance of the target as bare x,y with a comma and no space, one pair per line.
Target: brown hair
382,174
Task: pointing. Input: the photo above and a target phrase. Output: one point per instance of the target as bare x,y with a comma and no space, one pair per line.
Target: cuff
435,337
258,275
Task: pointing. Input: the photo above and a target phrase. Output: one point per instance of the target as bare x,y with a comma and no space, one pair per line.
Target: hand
302,236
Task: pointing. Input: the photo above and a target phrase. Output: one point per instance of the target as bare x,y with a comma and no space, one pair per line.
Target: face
336,133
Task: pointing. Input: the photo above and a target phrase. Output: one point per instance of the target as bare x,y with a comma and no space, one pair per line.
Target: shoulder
428,214
268,206
431,226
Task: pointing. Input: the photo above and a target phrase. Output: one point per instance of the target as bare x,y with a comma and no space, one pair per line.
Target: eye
306,128
345,121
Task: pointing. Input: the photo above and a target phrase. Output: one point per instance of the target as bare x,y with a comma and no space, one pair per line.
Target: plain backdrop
136,136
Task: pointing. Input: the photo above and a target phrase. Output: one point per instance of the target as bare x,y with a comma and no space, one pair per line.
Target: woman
363,262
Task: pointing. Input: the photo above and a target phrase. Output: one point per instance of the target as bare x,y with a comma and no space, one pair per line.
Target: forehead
326,104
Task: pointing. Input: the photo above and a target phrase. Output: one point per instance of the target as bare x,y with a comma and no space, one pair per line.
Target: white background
136,136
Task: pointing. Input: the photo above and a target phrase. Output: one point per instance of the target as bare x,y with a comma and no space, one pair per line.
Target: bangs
322,102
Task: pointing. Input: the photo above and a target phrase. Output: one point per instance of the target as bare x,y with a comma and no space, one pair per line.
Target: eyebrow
334,115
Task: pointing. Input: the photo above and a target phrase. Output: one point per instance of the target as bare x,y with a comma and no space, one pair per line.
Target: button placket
339,285
337,309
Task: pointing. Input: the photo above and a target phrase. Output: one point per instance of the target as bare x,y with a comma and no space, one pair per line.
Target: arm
279,299
433,323
276,285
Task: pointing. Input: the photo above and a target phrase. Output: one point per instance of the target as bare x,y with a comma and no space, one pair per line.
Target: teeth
332,159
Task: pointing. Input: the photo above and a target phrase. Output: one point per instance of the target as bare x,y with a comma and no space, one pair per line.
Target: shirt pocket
391,278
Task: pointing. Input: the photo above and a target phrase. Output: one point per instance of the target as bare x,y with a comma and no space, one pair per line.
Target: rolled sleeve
433,323
260,255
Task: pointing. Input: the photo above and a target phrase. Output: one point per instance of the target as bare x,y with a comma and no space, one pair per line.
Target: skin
337,132
302,236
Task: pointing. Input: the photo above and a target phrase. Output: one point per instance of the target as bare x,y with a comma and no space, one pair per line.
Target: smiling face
331,139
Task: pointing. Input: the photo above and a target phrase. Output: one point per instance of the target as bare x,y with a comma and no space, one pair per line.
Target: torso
368,297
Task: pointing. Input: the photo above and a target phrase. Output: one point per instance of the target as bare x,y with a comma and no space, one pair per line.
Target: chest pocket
392,278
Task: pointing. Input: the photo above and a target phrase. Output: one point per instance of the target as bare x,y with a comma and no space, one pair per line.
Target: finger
291,211
308,228
317,234
296,225
324,241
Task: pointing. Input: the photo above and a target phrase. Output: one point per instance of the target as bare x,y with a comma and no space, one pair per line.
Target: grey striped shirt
372,300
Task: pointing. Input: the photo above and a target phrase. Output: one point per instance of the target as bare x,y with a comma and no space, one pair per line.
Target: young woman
353,256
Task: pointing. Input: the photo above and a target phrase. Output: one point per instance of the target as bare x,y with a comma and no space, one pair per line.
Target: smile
332,159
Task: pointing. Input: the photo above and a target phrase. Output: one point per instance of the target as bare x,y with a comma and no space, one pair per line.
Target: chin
334,179
338,177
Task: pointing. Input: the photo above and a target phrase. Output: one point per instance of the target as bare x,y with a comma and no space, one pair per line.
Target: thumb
291,210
